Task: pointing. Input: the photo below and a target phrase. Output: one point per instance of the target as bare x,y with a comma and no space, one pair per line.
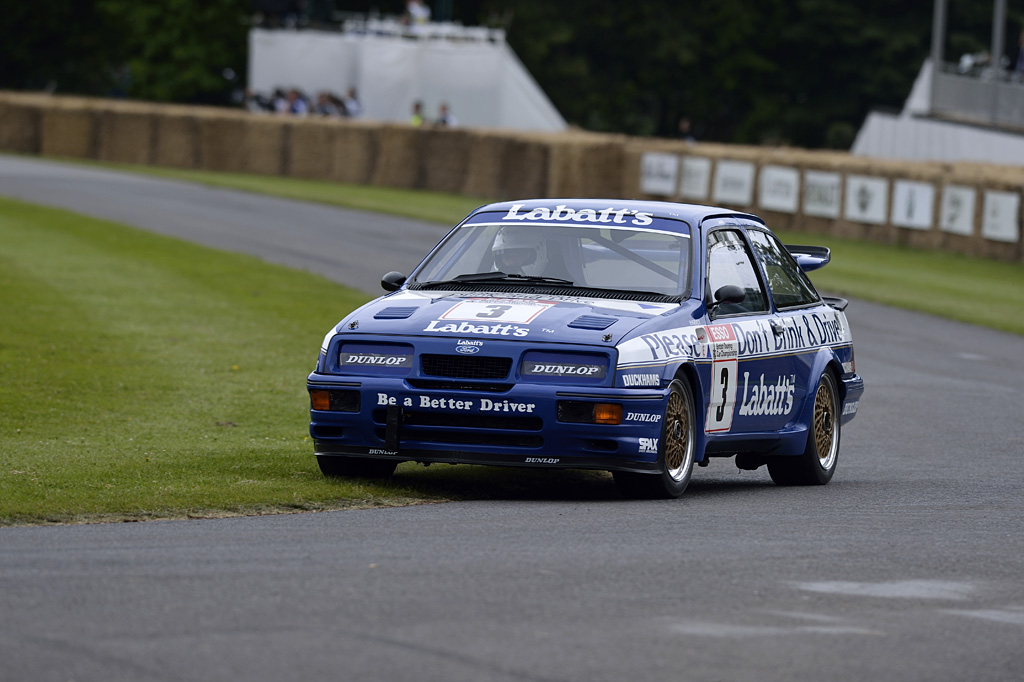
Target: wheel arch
688,372
825,361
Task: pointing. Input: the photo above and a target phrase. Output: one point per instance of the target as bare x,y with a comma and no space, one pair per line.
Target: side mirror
392,281
730,293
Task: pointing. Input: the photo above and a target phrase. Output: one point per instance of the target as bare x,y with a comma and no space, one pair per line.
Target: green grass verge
951,285
145,377
975,290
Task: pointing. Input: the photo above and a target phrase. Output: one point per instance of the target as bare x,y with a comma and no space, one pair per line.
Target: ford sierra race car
637,337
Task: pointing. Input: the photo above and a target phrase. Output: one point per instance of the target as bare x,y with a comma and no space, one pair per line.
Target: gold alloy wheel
825,433
679,441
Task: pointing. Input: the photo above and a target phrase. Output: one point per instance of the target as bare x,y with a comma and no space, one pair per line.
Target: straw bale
631,170
398,160
310,150
222,142
485,165
267,143
354,147
20,123
126,135
444,158
68,129
601,169
178,142
526,168
586,167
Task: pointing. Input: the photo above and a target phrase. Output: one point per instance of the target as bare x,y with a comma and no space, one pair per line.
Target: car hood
501,315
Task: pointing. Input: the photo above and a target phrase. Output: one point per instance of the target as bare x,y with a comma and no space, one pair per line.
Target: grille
464,367
575,412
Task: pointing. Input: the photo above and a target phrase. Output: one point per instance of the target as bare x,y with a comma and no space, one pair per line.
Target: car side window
789,285
730,262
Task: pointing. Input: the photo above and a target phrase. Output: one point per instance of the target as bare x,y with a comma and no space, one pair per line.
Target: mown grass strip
955,286
970,289
144,377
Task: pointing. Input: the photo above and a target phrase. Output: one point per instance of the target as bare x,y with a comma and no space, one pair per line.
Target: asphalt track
908,566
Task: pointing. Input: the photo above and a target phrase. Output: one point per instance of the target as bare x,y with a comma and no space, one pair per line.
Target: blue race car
637,337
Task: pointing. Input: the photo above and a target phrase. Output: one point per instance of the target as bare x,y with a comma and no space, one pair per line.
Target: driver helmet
520,251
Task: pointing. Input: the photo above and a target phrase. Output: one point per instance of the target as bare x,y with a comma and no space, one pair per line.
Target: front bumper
522,426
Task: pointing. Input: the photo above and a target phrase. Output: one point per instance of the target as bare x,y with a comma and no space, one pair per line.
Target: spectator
417,13
353,107
686,129
329,105
296,103
1017,63
254,101
446,117
417,114
279,102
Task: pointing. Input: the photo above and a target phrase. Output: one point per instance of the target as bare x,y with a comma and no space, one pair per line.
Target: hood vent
395,313
594,322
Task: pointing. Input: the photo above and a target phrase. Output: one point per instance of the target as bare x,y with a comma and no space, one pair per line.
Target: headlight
577,368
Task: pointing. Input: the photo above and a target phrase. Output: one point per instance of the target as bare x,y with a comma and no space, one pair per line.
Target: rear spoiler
810,257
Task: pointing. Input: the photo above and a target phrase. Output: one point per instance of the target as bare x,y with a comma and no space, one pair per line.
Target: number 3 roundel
724,367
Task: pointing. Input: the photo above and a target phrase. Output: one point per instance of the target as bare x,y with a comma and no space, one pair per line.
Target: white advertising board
659,174
867,199
1001,221
913,204
779,189
957,210
734,183
822,191
696,180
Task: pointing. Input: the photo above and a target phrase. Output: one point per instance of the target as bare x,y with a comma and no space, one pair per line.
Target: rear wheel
356,467
818,462
676,449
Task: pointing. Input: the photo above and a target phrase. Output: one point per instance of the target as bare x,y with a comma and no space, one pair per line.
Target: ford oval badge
468,346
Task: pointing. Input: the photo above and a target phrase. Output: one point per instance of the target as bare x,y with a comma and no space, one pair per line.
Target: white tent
913,135
482,81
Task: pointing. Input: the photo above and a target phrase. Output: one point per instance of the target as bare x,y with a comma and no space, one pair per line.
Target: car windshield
612,258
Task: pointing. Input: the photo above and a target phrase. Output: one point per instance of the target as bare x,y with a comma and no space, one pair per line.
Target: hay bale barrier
969,208
126,134
176,139
354,149
20,124
68,128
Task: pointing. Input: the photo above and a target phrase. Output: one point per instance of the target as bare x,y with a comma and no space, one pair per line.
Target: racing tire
355,467
818,462
676,451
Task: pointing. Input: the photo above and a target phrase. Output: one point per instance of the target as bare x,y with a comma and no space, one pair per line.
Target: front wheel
818,462
676,450
355,467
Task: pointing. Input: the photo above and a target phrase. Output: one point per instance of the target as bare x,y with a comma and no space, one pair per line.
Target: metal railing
987,96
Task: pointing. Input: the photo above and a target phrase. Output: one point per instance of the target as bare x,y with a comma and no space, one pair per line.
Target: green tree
182,50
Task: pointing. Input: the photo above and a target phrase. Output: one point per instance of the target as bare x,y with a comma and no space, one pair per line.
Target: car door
801,318
751,384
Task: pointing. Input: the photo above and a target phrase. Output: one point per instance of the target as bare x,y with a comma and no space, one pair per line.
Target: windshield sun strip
603,226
